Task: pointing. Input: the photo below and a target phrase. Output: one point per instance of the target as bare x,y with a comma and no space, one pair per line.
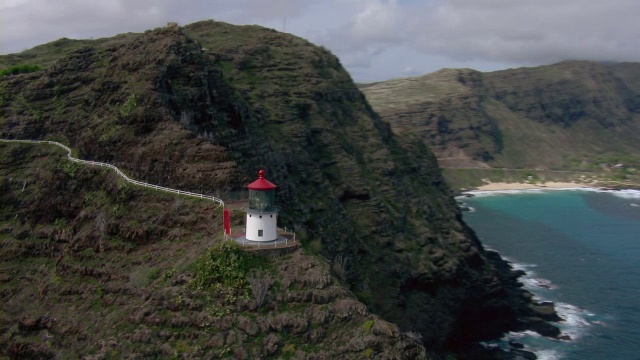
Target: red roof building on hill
261,183
262,214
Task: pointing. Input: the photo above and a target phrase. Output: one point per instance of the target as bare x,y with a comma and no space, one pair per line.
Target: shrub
367,326
289,349
69,167
129,106
223,270
153,274
20,69
367,353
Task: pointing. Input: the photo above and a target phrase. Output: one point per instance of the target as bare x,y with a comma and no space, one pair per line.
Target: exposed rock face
80,285
542,117
200,108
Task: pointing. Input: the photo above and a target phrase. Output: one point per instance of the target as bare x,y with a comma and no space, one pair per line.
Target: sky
374,39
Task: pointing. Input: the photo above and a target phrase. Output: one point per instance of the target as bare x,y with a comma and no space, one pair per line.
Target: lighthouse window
270,215
260,216
260,233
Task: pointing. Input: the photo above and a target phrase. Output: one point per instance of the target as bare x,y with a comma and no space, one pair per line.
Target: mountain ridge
573,115
203,106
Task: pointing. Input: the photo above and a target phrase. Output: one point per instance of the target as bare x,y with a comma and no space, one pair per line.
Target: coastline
502,186
578,325
517,188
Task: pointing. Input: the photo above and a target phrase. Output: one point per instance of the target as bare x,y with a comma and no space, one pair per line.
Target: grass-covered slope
95,267
202,107
570,116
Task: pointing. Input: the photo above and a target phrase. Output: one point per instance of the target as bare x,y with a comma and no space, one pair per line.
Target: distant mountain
201,108
570,116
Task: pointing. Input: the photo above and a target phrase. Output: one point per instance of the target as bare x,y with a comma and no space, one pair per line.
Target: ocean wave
521,266
539,283
574,318
624,193
530,341
514,336
530,280
465,207
575,321
548,354
484,193
574,325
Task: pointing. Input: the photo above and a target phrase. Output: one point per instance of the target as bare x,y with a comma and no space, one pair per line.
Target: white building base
261,226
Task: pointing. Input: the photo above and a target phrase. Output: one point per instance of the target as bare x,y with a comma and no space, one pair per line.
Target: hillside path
128,179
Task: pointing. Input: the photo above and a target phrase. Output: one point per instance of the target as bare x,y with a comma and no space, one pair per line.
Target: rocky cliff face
94,267
569,115
202,107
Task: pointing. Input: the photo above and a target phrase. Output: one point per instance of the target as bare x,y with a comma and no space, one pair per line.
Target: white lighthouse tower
262,215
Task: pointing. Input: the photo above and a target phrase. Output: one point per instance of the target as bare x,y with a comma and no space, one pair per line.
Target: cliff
576,116
200,108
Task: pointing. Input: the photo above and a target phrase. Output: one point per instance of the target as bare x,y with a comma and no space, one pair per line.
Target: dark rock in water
469,195
541,327
516,345
495,353
545,310
564,337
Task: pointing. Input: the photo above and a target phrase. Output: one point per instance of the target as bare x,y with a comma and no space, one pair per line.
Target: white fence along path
96,163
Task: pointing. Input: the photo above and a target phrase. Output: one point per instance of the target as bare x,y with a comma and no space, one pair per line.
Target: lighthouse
262,215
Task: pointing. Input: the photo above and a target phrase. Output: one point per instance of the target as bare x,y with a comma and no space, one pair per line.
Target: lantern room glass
262,200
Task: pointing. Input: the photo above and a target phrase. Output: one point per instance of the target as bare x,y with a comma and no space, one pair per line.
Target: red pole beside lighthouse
227,225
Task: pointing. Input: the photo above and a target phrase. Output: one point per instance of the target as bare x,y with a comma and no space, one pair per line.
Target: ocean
581,250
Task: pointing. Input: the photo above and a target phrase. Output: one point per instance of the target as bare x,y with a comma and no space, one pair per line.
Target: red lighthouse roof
261,183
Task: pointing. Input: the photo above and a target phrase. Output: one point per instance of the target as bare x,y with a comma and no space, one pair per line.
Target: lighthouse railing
152,186
118,171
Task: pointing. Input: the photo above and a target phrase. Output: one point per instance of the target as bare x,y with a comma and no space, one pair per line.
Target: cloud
503,31
376,22
481,34
528,31
372,27
26,23
273,9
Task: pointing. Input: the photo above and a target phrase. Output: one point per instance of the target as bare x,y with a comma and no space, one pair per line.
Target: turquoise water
581,250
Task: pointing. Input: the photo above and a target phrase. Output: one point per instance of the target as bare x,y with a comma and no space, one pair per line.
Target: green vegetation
129,106
153,274
367,353
224,269
20,69
175,299
568,117
213,104
366,327
70,167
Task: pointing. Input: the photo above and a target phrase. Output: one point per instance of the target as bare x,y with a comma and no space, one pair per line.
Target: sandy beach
498,186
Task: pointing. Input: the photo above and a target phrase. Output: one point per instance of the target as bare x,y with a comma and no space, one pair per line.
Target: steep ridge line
96,163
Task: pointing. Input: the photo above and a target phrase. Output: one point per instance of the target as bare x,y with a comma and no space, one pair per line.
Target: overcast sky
375,39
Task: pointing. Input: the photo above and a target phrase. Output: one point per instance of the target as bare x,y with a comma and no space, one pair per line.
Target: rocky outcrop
95,294
570,113
216,101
